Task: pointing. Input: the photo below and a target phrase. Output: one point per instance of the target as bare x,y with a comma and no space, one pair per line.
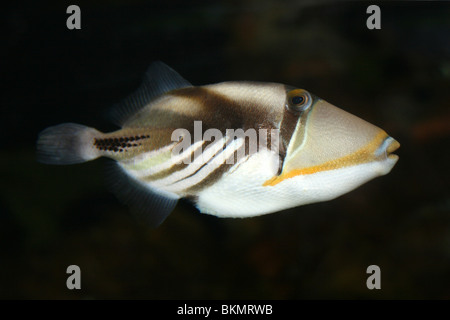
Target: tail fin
67,143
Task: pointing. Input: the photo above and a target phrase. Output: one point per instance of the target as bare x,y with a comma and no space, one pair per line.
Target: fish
234,149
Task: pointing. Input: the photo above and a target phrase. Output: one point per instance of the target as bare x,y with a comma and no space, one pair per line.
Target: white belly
240,193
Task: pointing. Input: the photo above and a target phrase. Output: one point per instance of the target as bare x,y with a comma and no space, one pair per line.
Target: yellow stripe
362,155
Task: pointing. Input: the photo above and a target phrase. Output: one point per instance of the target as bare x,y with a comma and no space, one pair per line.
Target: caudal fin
67,143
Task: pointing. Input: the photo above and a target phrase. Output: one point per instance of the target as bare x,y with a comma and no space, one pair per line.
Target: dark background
397,78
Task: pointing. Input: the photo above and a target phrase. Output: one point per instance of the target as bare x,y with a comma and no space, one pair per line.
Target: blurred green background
397,78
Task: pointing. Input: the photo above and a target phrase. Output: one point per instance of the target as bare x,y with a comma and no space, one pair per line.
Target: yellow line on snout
362,155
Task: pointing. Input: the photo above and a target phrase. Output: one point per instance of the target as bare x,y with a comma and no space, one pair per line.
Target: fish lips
387,147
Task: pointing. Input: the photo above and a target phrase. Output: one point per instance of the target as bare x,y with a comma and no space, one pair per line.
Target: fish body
236,149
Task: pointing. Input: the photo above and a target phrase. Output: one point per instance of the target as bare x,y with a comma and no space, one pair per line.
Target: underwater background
397,78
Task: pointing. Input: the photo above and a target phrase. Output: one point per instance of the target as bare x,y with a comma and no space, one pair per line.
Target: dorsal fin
159,79
149,206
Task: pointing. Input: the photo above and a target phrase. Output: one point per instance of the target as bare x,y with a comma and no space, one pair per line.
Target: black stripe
212,178
177,167
164,173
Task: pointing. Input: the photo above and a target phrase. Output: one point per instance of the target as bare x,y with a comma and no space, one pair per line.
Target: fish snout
333,138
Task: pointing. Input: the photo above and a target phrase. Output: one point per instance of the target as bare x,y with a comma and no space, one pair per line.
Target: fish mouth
387,148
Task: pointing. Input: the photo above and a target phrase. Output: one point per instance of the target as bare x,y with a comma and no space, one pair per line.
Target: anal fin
150,206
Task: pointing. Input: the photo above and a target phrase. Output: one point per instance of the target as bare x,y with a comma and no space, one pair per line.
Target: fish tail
67,143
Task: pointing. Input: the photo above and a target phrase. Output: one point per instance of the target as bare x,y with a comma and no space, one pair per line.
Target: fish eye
298,100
